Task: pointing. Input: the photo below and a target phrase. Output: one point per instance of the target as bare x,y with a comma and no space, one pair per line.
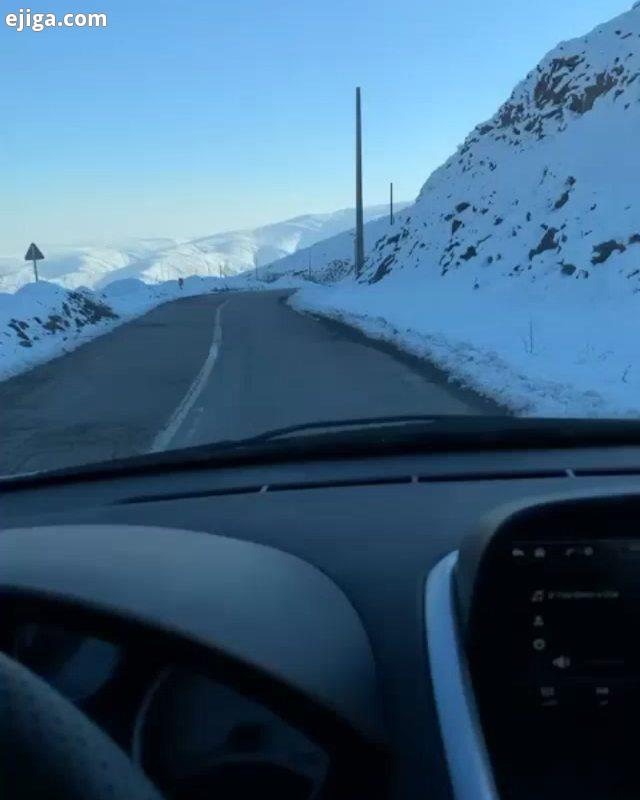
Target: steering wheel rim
50,749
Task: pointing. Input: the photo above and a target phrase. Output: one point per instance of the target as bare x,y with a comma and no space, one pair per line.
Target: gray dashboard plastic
269,609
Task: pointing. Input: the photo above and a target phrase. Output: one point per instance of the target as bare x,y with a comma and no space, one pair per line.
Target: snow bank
42,320
537,355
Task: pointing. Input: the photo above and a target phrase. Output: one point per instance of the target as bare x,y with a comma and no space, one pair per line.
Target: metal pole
35,269
359,255
391,217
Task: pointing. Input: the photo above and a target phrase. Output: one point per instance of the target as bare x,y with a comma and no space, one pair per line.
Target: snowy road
209,368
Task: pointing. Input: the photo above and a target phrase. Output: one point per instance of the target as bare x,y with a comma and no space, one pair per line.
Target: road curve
208,368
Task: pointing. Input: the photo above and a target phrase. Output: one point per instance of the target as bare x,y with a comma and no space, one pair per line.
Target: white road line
163,439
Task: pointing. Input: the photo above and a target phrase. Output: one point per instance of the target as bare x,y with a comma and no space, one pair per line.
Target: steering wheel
49,749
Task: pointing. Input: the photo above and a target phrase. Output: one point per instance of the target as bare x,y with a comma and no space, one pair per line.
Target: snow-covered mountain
82,265
157,260
549,186
519,263
239,251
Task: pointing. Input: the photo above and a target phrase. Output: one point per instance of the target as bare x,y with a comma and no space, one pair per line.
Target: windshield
223,219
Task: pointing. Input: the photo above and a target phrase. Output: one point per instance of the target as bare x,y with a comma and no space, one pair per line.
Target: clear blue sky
186,118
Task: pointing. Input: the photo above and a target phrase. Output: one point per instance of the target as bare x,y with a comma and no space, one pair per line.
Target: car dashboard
446,625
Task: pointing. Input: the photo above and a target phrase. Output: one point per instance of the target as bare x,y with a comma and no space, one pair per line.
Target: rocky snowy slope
518,267
549,185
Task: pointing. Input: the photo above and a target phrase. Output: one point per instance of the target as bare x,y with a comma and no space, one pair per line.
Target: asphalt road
207,368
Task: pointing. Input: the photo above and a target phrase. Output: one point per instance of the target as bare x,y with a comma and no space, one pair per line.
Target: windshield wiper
356,423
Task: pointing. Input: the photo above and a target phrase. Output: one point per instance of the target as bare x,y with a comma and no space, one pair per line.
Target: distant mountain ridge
80,265
158,260
236,252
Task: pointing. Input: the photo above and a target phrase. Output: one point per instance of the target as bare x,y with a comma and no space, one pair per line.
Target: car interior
395,611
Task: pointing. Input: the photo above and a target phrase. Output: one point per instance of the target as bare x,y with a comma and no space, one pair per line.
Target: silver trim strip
464,744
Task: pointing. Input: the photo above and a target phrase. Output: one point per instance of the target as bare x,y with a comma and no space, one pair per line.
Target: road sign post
34,254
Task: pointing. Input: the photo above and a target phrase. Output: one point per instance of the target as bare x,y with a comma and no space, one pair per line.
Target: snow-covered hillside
159,260
73,267
238,251
518,267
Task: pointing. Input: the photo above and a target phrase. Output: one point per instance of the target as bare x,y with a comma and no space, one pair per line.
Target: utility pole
392,219
309,265
359,254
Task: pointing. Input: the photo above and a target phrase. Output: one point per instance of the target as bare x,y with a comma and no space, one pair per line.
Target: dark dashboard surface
376,527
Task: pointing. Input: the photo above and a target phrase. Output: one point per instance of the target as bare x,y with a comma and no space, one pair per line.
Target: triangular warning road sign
34,254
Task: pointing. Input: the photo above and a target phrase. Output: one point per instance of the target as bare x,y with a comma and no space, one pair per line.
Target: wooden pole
359,254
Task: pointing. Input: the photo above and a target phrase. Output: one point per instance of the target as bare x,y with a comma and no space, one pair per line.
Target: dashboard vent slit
605,472
160,498
338,484
493,476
